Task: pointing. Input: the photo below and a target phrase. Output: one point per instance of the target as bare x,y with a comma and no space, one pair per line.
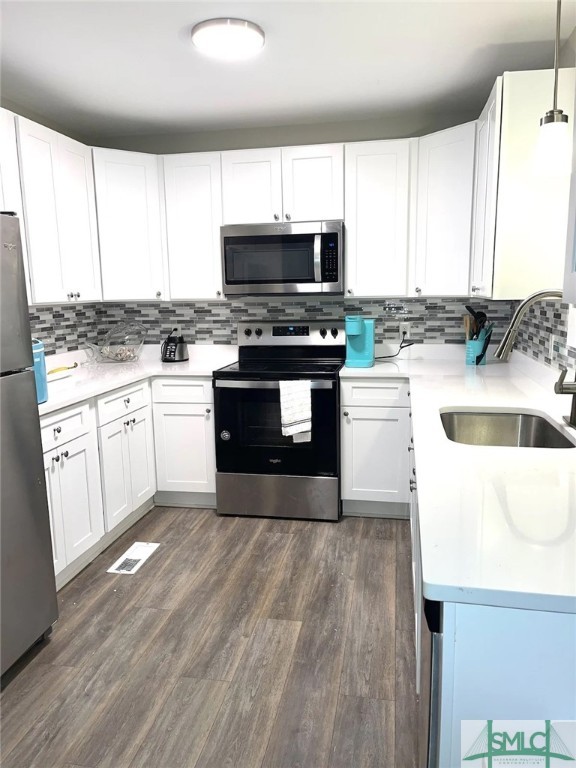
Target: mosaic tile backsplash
67,327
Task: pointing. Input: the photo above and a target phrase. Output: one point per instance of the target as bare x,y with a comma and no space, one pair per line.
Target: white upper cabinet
377,176
59,208
251,186
289,184
193,217
313,182
485,193
10,190
444,212
128,200
532,208
570,275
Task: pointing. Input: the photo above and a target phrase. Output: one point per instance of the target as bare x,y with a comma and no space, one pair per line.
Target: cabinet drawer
177,389
378,392
59,427
122,401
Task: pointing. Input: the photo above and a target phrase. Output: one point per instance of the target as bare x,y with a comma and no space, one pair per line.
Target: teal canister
40,370
359,341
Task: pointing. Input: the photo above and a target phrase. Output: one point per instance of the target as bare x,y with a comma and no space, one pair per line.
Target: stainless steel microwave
296,258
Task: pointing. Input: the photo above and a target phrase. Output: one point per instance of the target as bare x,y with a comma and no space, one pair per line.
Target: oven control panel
326,333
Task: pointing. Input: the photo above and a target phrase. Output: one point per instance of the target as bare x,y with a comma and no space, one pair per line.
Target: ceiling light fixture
228,39
553,150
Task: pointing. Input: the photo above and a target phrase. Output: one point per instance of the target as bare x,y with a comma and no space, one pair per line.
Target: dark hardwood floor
241,643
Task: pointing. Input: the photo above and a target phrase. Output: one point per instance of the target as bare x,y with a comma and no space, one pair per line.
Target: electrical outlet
404,331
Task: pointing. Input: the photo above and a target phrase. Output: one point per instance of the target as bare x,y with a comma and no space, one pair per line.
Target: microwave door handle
233,384
317,259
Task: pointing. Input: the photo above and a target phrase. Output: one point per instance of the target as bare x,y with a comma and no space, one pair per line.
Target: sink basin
522,430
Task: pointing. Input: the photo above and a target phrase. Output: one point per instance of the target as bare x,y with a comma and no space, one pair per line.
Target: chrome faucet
505,347
567,389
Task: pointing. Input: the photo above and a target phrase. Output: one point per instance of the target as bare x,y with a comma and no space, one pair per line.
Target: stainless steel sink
522,430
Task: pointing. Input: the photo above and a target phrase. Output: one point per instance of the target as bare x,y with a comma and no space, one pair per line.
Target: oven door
249,436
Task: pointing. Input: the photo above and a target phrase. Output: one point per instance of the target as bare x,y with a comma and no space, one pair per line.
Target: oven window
260,425
271,259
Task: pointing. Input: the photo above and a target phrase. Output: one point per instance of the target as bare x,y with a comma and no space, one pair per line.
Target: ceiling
112,68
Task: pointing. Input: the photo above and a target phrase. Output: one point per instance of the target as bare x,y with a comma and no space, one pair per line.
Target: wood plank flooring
241,643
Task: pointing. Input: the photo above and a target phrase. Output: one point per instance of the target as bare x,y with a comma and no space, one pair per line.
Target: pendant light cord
556,46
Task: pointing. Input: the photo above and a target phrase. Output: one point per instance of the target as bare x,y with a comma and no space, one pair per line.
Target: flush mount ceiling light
228,39
553,150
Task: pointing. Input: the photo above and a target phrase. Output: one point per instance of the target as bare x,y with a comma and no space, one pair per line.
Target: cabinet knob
218,293
288,217
475,289
69,296
158,294
127,401
346,414
410,448
127,423
56,458
276,217
208,410
77,295
64,454
412,485
132,421
418,290
349,291
57,431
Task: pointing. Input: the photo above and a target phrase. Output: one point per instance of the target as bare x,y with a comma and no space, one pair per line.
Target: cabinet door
375,454
38,148
127,196
10,190
416,567
185,451
81,497
193,217
251,186
444,212
377,199
52,475
115,467
313,182
142,464
485,193
77,220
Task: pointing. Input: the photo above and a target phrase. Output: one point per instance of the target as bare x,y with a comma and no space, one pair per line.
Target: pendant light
553,150
228,39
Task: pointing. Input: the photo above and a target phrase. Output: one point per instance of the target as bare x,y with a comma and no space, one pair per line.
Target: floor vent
134,557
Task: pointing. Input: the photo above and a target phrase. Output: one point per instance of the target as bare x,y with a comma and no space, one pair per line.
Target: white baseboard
390,509
74,568
181,499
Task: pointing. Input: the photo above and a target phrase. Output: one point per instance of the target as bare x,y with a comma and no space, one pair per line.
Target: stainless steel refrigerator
28,605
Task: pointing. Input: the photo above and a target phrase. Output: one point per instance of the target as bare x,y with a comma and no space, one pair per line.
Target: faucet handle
559,386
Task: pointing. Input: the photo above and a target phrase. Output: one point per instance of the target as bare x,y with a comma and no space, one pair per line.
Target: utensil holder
474,348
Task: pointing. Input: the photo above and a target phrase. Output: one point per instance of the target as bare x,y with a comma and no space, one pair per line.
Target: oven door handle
233,384
317,259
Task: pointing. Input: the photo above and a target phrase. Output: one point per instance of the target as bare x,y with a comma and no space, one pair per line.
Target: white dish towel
296,410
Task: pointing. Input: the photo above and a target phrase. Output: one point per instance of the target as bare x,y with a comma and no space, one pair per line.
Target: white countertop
497,525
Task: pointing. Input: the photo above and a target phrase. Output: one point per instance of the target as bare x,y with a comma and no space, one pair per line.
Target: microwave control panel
329,255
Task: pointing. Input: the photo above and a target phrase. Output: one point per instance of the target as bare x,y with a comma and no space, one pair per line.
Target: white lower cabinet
375,454
185,450
74,498
128,467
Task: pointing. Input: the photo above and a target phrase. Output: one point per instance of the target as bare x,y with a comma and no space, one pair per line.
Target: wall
67,327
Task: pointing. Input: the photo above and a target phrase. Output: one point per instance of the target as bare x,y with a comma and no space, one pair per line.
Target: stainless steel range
260,471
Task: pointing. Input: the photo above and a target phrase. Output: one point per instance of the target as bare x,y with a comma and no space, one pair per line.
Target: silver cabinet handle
208,410
288,217
56,458
349,291
276,217
218,293
69,296
77,295
64,454
132,421
418,290
346,414
127,401
410,448
127,423
158,294
57,431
